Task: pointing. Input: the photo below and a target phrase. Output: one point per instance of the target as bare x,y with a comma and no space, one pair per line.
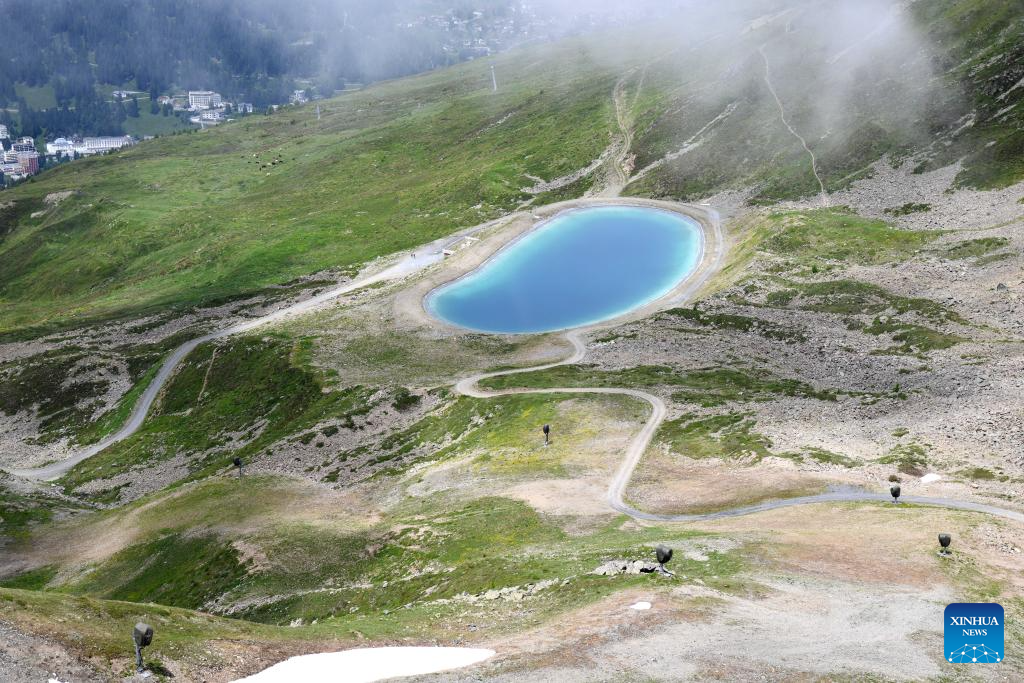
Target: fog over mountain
65,54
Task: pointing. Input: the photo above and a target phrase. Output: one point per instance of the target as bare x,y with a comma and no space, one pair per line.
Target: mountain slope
198,217
875,341
937,80
188,218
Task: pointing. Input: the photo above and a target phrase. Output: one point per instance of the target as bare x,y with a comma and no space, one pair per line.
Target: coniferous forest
80,50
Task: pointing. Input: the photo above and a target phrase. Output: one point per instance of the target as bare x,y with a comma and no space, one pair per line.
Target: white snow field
364,665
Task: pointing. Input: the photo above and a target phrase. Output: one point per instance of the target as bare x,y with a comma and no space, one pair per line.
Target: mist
849,56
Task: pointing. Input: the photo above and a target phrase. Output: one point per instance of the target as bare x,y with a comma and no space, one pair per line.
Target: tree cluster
248,50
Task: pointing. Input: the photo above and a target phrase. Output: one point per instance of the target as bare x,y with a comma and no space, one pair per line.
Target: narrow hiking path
612,163
617,174
825,199
691,143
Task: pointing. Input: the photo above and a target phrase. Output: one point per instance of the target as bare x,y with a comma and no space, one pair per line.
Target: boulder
611,568
614,567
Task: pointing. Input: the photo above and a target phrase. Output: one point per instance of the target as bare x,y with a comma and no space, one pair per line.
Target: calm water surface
581,267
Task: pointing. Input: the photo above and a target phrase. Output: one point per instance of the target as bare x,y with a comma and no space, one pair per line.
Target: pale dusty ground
28,658
847,580
830,587
592,433
683,486
804,625
87,540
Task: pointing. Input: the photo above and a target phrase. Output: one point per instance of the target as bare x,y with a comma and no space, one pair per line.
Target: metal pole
494,79
138,657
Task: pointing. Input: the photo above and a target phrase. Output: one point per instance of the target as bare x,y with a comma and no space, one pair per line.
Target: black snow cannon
142,636
664,555
944,541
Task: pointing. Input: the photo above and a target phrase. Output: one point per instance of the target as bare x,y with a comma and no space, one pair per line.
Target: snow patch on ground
641,606
363,665
929,478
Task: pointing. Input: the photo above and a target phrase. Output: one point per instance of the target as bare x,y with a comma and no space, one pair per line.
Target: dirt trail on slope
825,199
617,174
615,159
710,264
408,264
616,489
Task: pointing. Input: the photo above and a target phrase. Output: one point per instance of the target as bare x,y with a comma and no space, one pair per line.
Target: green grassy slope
310,555
237,398
193,218
197,217
196,643
984,55
188,218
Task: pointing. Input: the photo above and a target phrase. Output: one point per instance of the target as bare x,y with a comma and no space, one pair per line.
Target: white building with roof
209,117
60,146
106,144
88,146
25,144
203,99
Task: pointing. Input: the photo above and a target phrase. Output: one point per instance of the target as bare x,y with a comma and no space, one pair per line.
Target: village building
24,145
29,162
87,146
203,99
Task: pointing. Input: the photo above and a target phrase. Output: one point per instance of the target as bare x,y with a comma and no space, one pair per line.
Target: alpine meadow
232,413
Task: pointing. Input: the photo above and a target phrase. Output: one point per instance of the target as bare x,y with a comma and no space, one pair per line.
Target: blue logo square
974,633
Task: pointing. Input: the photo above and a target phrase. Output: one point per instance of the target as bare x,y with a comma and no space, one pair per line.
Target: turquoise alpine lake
581,267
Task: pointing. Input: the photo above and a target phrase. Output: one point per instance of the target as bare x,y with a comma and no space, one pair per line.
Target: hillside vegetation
190,218
194,218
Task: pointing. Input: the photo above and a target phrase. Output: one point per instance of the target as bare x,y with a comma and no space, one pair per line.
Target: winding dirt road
407,265
638,446
470,386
